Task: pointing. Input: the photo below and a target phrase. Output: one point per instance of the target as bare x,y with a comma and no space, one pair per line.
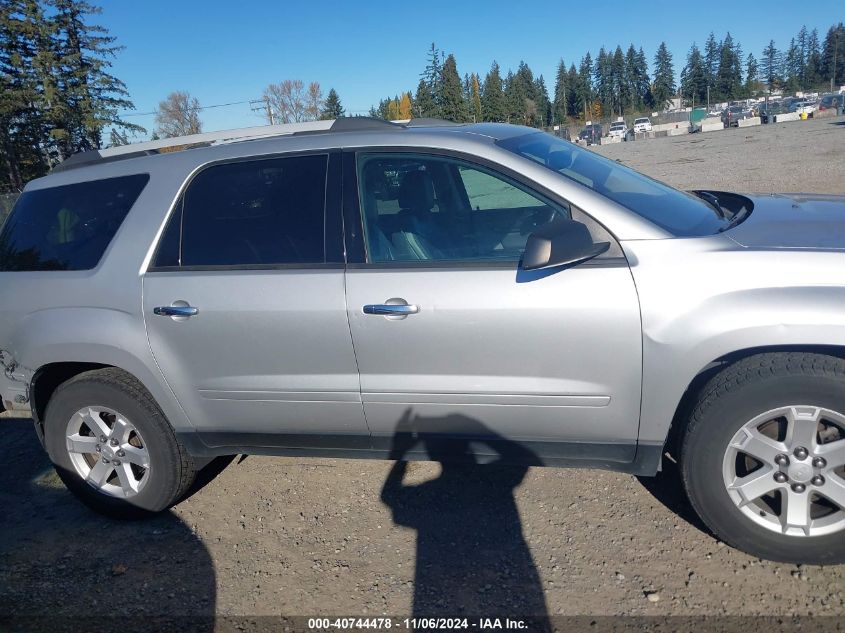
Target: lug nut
105,460
801,452
819,462
116,462
114,442
798,487
782,460
781,478
103,439
818,480
98,448
121,453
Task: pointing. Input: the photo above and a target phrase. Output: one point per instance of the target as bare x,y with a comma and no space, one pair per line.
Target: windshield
679,213
640,120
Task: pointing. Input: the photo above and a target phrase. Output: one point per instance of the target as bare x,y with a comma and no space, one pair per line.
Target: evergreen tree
603,81
544,105
560,106
814,60
332,109
712,53
424,105
92,95
752,79
792,67
833,56
475,98
729,73
432,75
585,85
771,67
803,42
621,96
493,97
694,77
643,82
452,105
573,80
663,87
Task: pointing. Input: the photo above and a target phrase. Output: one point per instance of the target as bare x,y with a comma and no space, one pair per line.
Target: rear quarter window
67,227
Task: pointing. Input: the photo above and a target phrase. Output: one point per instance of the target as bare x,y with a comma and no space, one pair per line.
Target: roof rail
177,143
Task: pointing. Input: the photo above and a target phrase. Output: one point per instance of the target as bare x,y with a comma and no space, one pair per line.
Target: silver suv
366,289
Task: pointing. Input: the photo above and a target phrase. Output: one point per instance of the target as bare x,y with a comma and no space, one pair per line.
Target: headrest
416,191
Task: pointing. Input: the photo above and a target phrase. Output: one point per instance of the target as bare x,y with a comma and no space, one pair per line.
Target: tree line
618,82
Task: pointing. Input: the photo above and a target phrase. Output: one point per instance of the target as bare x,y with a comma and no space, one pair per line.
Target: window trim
332,213
356,252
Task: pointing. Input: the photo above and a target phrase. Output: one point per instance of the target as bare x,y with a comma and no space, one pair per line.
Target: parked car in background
732,115
830,102
618,129
642,124
807,107
591,134
766,111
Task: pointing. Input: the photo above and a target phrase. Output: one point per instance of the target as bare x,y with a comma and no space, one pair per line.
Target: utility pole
265,107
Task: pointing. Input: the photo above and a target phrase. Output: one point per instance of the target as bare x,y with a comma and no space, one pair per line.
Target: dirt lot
305,537
805,156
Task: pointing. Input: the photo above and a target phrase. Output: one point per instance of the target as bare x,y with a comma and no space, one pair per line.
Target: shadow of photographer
63,567
471,557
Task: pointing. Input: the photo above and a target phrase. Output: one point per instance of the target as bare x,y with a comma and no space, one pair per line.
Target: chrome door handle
176,311
387,309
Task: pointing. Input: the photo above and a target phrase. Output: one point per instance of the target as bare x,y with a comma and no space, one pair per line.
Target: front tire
763,457
112,446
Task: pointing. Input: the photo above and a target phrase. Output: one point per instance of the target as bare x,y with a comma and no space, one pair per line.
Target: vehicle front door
452,338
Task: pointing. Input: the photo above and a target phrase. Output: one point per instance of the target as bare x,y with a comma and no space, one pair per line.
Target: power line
208,107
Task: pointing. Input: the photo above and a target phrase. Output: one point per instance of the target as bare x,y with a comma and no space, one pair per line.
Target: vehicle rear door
245,307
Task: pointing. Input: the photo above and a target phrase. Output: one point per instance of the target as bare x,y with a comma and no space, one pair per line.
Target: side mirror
562,242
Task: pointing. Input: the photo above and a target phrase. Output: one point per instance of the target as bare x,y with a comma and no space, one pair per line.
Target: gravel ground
805,156
271,536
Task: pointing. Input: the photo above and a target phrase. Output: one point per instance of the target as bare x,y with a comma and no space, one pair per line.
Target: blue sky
221,51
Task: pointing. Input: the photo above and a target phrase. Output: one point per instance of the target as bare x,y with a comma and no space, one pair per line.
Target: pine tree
452,106
602,80
663,87
585,85
694,77
475,99
771,67
433,75
792,67
493,96
513,99
573,102
833,56
560,109
729,73
814,60
93,97
424,105
621,97
752,80
332,109
527,109
544,105
643,82
711,59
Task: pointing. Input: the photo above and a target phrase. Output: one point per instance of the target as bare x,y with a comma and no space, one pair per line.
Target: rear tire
751,425
112,446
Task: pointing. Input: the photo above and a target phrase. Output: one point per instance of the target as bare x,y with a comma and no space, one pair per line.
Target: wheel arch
718,365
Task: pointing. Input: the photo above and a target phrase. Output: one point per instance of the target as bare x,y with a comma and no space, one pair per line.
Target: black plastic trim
642,459
248,267
610,262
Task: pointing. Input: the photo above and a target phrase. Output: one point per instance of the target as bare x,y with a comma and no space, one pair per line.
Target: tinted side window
259,212
429,208
67,227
